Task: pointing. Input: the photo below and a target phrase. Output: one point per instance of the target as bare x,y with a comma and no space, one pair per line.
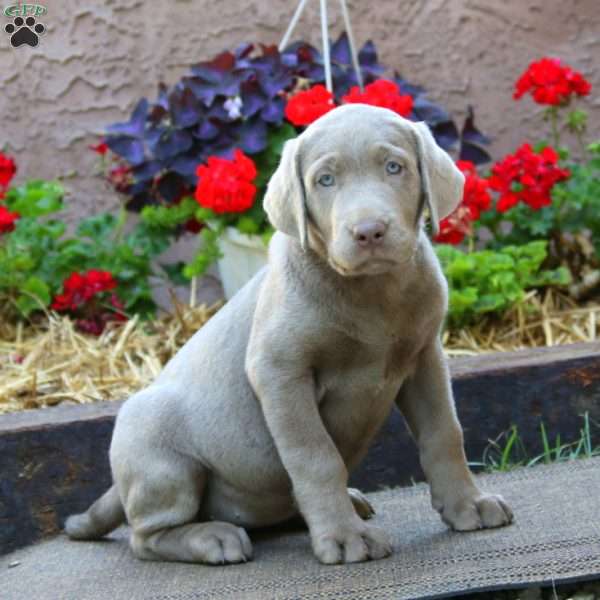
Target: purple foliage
233,100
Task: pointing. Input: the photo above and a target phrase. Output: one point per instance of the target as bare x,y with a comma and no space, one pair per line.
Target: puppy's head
353,187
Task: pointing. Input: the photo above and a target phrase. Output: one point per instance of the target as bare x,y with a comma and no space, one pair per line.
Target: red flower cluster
550,82
476,193
96,324
383,93
8,168
100,148
80,288
226,185
121,178
305,107
476,199
7,220
527,177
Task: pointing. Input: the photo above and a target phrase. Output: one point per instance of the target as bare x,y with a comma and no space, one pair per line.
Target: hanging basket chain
325,39
325,46
288,33
353,52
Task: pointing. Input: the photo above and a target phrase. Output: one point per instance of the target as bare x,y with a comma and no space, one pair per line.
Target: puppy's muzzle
369,234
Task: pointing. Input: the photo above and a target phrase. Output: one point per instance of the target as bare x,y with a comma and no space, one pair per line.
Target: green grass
508,451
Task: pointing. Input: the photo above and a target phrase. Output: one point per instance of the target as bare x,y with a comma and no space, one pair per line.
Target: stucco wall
94,62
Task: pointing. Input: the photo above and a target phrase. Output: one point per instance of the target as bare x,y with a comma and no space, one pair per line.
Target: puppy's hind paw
219,543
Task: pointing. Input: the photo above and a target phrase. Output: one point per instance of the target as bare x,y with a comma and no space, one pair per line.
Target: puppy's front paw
477,512
351,544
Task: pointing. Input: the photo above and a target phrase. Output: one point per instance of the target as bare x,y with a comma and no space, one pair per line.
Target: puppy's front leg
428,407
318,474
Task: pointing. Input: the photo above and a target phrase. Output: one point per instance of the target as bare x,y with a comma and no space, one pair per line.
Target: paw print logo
24,31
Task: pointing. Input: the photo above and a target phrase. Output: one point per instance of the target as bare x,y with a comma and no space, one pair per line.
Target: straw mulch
551,319
53,364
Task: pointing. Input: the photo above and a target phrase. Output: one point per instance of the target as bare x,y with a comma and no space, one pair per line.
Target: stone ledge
55,461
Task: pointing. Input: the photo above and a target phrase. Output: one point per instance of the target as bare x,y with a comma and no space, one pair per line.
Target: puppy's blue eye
326,180
393,168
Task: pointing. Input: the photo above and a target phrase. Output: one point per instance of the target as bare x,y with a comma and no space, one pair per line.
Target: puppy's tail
100,518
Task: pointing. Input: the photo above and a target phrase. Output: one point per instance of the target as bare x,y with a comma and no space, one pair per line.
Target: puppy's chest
355,371
356,391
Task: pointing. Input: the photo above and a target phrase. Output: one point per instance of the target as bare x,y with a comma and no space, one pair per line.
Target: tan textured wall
95,61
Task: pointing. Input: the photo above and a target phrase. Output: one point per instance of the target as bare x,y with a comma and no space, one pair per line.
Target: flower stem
471,246
581,142
553,115
121,221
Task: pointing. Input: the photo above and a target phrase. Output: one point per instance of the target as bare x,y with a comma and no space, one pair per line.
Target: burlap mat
556,537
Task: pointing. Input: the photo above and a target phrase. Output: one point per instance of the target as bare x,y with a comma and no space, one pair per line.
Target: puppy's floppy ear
442,182
285,199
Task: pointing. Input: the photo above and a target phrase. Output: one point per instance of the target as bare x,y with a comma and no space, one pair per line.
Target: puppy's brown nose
369,233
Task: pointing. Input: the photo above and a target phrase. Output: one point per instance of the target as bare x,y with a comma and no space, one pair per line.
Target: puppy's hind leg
162,505
101,518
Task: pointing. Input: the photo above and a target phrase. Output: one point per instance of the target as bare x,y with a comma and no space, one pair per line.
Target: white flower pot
243,256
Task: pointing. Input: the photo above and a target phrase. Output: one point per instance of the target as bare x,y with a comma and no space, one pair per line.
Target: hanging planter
198,159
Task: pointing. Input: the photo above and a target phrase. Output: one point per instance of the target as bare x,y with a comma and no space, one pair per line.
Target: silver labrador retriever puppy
265,411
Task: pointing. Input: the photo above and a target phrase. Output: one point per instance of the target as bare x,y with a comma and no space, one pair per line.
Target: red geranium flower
119,314
476,199
305,107
80,288
550,82
100,281
101,148
8,220
476,193
455,227
8,168
527,177
383,93
121,178
226,185
96,324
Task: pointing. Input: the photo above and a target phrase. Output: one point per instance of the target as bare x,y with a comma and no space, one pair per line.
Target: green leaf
35,198
267,235
491,281
461,301
174,272
577,121
247,225
170,217
594,147
206,215
208,253
35,295
278,137
97,227
490,303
